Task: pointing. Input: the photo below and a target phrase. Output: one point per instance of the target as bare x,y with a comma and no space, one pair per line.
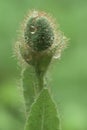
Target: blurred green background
69,75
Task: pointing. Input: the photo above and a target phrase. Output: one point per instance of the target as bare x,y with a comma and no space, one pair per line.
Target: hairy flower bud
38,33
39,41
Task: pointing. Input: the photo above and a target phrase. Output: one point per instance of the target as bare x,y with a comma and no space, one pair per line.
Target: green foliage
43,114
37,47
29,87
69,76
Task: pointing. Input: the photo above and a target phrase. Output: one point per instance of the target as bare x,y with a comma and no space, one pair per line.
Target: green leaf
43,114
29,87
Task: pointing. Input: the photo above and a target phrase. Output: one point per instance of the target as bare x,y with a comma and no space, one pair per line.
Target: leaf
43,114
29,87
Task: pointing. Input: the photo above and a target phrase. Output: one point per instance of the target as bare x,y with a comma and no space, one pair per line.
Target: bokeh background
69,75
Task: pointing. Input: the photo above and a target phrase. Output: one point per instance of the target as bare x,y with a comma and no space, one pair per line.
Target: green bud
40,41
38,33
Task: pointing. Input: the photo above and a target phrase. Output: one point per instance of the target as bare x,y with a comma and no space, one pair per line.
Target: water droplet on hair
57,56
32,29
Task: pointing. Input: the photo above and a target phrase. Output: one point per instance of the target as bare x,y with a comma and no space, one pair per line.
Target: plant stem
40,82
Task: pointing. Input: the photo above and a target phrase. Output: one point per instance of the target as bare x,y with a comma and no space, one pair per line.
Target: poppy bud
39,33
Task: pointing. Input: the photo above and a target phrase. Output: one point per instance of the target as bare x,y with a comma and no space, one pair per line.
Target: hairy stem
40,82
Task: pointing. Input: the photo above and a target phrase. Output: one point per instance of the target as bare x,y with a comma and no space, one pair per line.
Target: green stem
40,82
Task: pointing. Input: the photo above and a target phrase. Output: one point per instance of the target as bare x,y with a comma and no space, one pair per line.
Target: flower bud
39,33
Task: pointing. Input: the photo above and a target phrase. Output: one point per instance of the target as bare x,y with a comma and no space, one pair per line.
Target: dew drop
57,56
32,29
